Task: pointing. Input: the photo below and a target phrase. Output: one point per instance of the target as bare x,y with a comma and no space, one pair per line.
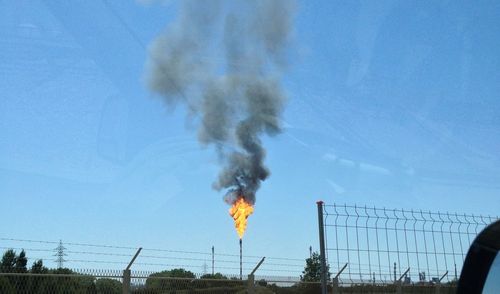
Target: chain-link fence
112,256
111,282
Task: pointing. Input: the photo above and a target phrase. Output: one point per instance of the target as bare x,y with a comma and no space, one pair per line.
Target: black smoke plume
224,61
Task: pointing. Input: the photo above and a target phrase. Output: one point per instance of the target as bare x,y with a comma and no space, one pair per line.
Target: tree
38,268
73,284
8,261
108,286
312,270
34,281
312,275
162,281
216,276
11,262
21,261
220,281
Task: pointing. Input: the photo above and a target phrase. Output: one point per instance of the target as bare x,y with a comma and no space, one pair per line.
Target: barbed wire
144,249
281,264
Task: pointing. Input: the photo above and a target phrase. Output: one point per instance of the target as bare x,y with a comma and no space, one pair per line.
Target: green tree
36,281
163,281
8,261
312,270
77,284
108,286
13,263
220,281
21,262
38,268
312,275
216,276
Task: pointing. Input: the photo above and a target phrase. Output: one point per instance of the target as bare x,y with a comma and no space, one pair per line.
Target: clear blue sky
391,104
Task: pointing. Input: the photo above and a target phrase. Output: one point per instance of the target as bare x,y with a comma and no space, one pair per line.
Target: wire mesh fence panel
381,245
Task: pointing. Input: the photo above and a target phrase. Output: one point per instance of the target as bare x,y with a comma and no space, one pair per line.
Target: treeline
17,278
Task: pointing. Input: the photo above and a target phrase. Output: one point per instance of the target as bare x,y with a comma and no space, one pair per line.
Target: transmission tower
204,268
60,255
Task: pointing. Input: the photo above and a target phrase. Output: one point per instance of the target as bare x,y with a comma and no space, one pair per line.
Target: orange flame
240,212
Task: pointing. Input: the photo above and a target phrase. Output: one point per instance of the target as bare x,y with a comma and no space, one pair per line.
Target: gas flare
240,211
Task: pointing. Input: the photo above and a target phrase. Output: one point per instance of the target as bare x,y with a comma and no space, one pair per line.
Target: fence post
126,281
322,247
399,287
438,284
251,284
399,282
126,274
251,278
335,285
336,279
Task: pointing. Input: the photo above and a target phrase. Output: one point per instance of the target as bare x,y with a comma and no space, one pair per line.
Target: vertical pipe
395,277
213,260
241,261
322,247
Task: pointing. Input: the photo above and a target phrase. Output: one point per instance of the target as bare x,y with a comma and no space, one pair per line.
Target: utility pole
213,260
60,255
310,251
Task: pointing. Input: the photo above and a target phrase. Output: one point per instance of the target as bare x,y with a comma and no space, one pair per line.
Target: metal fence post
399,287
251,284
126,282
126,274
251,278
335,285
336,279
322,248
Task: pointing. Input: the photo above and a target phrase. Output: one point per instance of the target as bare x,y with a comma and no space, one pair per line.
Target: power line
155,257
170,265
134,248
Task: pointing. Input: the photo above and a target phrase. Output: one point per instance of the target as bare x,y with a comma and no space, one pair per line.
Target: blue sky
389,103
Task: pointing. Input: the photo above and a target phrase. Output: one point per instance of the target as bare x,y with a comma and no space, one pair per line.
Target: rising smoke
224,60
